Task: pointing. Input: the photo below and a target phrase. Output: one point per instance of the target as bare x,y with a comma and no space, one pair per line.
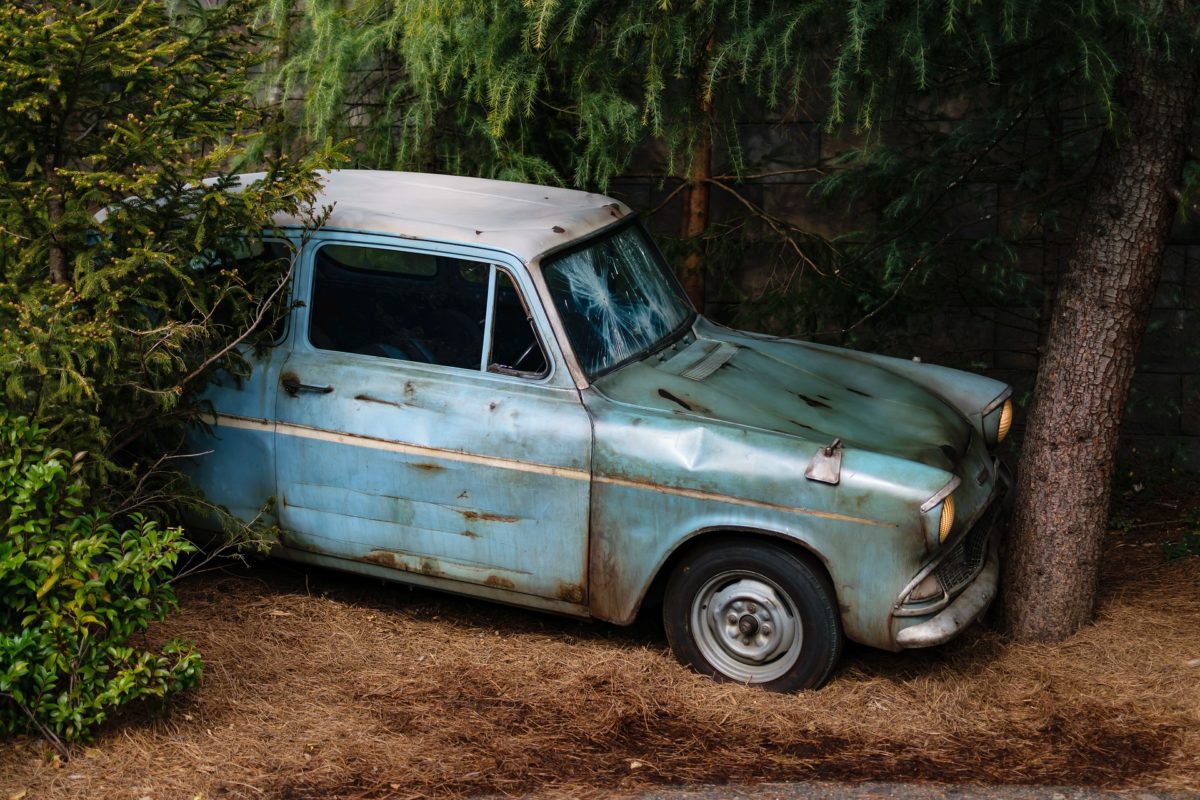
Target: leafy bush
74,589
117,304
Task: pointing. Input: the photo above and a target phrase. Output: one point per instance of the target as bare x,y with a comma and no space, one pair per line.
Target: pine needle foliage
542,90
112,117
961,132
969,134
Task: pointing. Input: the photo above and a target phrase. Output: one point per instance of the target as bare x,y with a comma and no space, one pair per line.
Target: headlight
1006,415
946,523
938,513
998,419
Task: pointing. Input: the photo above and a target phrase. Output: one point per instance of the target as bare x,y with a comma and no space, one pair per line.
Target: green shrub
74,590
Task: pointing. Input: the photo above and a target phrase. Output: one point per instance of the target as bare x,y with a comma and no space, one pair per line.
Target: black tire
753,613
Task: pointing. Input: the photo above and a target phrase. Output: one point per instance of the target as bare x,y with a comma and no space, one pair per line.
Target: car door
232,456
425,425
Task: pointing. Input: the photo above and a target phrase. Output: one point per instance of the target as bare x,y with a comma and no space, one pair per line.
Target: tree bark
57,254
695,214
695,218
1063,488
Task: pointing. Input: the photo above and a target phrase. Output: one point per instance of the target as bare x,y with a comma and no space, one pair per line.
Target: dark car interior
418,307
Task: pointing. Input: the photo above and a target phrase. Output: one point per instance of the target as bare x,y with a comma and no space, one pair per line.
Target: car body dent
733,460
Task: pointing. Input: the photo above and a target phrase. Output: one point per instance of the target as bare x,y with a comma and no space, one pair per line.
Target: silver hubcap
746,627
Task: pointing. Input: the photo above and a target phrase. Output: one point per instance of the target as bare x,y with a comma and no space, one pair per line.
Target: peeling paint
482,515
663,393
570,593
386,558
813,403
366,398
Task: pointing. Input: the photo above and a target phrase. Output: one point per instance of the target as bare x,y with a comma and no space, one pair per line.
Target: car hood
796,389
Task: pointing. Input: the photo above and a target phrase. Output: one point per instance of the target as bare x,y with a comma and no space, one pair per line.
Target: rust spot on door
499,582
386,558
366,398
663,393
570,593
427,466
487,517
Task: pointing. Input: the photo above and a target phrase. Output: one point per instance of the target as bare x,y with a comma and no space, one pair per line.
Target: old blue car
499,389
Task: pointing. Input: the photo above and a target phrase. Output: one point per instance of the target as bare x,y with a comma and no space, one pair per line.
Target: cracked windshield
615,298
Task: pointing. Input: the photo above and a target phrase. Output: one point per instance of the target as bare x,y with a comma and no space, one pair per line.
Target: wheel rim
746,627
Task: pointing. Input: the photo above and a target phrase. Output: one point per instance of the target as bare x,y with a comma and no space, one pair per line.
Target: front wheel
753,613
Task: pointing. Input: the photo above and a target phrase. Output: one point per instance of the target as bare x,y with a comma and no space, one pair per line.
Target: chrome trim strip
999,401
303,431
942,494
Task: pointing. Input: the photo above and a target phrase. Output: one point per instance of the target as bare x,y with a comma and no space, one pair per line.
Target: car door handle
293,386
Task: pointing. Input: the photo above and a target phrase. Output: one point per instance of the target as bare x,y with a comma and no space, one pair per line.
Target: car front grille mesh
965,557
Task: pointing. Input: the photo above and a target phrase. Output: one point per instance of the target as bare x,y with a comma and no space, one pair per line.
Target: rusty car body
499,390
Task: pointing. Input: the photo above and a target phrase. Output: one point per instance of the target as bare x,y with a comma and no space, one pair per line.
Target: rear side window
270,258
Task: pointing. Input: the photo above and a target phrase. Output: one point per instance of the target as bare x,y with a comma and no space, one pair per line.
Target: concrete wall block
723,206
791,203
649,158
1154,405
782,147
1172,342
1191,278
1178,451
1190,422
836,144
956,337
635,194
1171,289
666,220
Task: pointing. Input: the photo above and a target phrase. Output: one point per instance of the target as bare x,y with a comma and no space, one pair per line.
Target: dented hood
795,389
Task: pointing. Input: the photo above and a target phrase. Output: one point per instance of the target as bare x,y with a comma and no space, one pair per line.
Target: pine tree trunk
695,219
1099,316
57,255
695,214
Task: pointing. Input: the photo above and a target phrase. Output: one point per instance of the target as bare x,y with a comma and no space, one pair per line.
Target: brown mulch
321,685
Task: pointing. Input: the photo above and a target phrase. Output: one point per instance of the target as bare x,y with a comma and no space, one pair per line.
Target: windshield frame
633,221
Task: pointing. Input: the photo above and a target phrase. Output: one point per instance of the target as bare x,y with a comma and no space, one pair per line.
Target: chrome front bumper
969,606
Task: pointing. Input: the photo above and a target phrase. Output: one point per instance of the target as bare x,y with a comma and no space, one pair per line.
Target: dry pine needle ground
328,686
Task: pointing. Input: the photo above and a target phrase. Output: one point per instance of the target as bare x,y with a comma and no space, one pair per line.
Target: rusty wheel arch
652,598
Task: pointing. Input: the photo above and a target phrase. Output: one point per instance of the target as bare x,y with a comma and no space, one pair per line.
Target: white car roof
522,218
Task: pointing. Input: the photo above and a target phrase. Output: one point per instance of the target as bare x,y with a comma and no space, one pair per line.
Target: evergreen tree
546,91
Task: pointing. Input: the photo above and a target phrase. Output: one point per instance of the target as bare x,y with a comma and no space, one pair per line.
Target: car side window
398,304
422,307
